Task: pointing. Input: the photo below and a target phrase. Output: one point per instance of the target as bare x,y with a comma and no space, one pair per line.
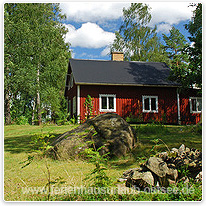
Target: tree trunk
38,100
33,109
7,108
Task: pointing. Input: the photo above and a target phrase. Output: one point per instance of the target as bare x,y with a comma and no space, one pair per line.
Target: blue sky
92,25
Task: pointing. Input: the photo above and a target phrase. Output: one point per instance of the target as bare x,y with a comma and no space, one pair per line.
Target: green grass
172,136
17,147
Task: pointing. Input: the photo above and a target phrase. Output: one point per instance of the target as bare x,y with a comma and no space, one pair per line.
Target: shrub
22,120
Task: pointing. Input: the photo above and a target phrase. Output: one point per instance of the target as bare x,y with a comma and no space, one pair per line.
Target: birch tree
135,38
36,49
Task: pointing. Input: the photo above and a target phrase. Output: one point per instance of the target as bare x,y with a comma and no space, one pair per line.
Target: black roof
120,72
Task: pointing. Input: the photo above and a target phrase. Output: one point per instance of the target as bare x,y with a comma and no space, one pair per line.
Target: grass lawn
17,147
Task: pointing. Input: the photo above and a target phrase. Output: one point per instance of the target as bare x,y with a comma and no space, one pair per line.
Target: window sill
107,110
194,112
148,111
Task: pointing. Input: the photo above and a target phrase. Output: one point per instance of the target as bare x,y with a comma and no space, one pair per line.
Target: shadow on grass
121,164
21,144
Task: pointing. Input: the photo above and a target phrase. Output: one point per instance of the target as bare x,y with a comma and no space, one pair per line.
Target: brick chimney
117,56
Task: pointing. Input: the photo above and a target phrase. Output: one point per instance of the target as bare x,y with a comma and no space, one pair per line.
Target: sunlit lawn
17,147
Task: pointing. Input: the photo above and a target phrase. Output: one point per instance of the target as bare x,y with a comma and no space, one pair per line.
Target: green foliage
138,41
98,175
159,143
35,60
183,170
88,104
28,161
179,58
188,192
41,145
22,120
73,120
194,27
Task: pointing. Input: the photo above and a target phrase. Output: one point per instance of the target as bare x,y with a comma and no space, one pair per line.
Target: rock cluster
108,130
167,168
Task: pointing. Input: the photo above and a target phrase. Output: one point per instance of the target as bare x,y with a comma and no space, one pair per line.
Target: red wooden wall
129,101
186,116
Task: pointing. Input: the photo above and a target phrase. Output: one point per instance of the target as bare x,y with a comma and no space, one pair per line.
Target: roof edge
132,85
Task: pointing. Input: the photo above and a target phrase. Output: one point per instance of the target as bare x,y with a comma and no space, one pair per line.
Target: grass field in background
17,146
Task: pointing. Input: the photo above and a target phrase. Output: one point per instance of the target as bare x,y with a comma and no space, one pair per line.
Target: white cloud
164,28
105,51
92,14
89,35
170,12
92,11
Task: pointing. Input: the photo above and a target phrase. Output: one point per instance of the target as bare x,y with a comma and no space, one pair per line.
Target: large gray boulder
108,130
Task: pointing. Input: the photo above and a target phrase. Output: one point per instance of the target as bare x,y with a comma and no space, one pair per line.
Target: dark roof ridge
113,60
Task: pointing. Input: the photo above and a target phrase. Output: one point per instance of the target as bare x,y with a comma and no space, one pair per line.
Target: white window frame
107,96
150,107
190,100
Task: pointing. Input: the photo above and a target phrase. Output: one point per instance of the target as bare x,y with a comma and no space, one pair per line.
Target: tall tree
175,45
34,44
138,41
194,27
9,58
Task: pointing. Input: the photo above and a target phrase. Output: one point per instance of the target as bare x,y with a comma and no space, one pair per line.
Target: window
150,103
107,102
195,104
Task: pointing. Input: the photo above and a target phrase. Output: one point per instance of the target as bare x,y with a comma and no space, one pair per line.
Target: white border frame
100,102
149,111
190,100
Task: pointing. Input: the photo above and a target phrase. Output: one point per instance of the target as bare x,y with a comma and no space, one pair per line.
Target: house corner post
178,107
78,104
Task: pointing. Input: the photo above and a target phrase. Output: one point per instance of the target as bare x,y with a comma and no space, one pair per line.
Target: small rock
186,161
163,155
129,173
181,150
174,150
122,180
146,178
192,164
172,174
198,178
170,165
157,165
187,150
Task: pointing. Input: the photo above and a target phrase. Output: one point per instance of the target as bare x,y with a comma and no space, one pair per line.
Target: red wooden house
139,90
